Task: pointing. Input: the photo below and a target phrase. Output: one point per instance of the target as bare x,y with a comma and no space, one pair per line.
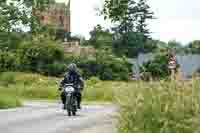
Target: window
61,20
42,18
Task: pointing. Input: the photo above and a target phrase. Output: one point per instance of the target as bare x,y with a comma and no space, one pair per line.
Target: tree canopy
130,18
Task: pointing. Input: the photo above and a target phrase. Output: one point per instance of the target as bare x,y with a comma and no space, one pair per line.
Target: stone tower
59,16
68,19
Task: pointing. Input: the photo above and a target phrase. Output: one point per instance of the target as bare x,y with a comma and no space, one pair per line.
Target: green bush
47,57
105,66
161,107
8,61
54,69
157,68
43,56
36,55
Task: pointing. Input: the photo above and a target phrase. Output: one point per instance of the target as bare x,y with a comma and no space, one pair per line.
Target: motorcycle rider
72,76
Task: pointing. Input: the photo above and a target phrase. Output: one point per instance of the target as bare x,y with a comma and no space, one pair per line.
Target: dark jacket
75,78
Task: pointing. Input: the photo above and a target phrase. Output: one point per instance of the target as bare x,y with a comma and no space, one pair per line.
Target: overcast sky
176,19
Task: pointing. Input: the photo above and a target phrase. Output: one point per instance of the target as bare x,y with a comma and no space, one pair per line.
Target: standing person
73,77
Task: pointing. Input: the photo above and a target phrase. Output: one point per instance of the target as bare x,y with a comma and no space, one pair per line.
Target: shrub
35,55
47,57
105,66
55,69
157,68
8,61
38,55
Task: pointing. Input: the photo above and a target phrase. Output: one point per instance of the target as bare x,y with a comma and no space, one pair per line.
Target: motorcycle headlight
69,89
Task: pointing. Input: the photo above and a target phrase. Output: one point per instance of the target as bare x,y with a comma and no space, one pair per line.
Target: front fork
71,101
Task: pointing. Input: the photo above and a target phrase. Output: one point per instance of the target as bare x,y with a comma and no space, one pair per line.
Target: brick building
58,15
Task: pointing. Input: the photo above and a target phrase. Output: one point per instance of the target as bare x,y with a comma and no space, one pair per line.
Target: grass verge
38,87
159,107
7,101
154,107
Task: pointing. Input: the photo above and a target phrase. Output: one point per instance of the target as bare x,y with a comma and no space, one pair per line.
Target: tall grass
159,107
35,86
28,86
8,100
97,90
154,107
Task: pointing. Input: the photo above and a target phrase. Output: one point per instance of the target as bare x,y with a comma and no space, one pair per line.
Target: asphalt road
43,117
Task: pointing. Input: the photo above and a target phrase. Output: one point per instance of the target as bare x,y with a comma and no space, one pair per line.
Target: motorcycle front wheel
68,105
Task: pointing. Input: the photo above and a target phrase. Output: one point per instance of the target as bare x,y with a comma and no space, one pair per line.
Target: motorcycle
71,101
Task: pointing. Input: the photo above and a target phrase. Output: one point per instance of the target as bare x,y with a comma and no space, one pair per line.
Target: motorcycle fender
69,94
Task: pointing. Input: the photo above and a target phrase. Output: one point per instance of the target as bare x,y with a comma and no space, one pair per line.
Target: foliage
38,55
104,66
11,40
131,32
159,107
11,14
177,46
15,14
47,57
157,68
39,52
8,61
173,44
194,47
100,38
55,69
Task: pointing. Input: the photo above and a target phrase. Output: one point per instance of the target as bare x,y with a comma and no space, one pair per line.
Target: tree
11,14
177,46
130,17
12,17
144,13
100,37
173,44
157,68
17,14
194,47
14,13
